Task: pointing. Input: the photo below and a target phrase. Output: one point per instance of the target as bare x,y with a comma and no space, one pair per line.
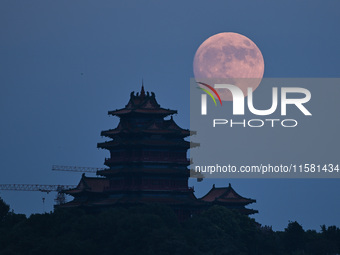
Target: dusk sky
65,64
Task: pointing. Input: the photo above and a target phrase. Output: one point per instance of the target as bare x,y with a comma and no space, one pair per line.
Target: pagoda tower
148,164
147,152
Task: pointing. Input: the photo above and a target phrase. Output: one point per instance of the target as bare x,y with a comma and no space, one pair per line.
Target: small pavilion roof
90,184
226,195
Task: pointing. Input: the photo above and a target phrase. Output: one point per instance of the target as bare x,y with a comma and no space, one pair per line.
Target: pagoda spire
142,92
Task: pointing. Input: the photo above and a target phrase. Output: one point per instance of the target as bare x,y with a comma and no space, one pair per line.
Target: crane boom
35,187
76,169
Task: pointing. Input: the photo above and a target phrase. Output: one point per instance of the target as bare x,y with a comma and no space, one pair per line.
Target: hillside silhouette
155,229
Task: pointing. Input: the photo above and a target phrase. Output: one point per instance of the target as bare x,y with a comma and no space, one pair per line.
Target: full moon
229,58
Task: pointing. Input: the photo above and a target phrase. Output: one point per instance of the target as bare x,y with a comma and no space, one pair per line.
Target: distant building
148,164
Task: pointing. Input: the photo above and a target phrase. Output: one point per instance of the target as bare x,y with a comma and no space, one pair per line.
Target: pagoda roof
247,211
154,127
148,142
166,126
135,198
142,103
226,195
89,184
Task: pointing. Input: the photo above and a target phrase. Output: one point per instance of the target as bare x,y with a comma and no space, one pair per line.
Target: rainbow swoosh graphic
209,93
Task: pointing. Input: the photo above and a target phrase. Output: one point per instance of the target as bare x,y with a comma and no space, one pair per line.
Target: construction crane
35,187
60,199
81,169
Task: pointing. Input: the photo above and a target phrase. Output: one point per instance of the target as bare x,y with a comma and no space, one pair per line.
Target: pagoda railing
143,188
138,159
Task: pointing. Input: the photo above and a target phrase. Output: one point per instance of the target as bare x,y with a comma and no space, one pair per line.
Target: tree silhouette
4,209
155,229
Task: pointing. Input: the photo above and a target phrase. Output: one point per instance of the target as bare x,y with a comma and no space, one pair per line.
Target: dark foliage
4,209
155,230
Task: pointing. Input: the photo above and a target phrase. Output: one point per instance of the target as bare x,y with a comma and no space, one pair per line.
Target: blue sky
64,64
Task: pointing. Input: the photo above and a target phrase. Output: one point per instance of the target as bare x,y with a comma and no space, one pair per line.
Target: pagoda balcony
146,160
147,188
